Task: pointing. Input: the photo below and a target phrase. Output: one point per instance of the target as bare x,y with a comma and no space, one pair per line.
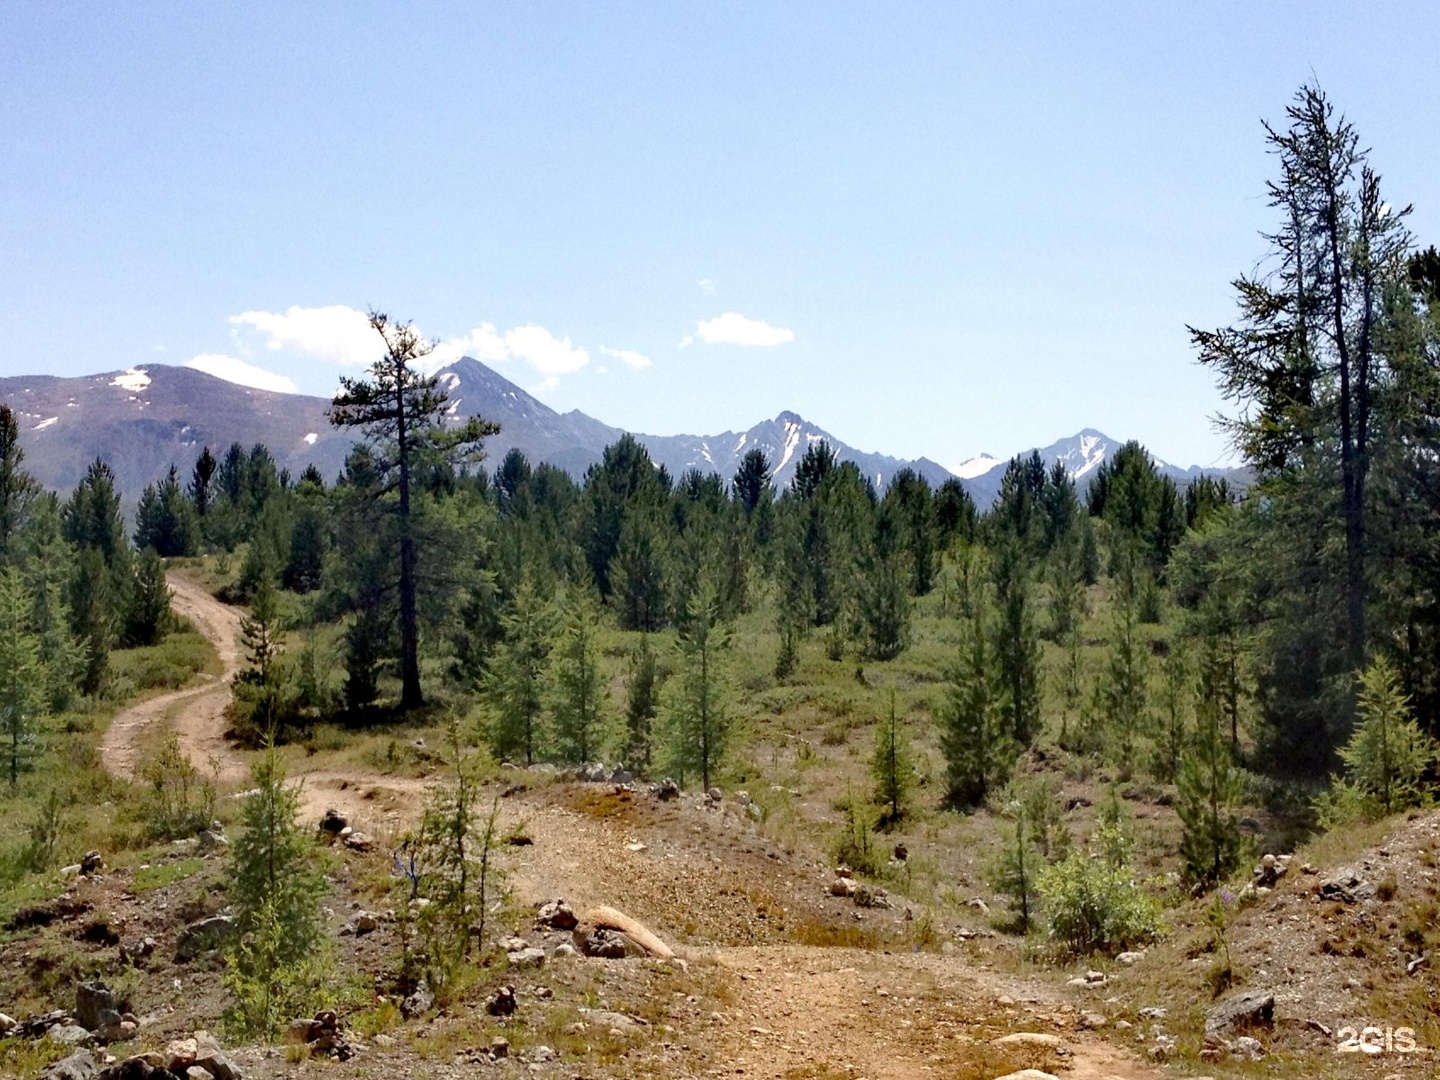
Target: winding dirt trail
795,1010
197,716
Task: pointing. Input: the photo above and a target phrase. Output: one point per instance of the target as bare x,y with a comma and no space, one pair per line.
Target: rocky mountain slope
144,419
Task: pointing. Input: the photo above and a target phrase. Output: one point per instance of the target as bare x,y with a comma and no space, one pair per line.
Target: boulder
359,841
96,1007
564,951
667,789
557,915
204,936
422,1000
81,1065
70,1035
605,944
1254,1008
332,823
502,1002
1347,886
91,863
527,958
871,896
843,887
499,1047
1028,1074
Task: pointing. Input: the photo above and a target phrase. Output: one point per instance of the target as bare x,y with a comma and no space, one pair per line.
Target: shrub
1092,900
177,800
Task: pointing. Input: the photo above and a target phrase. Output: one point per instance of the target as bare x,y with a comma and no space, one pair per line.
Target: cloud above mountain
233,369
732,328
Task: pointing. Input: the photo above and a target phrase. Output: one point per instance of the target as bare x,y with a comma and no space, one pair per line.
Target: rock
95,1006
1254,1008
593,773
198,1072
297,1032
527,958
605,944
901,853
557,915
362,923
121,1031
540,1054
1347,886
359,841
514,944
1249,824
980,906
81,1065
1128,957
715,795
213,839
1154,1013
1077,802
502,1003
421,1001
753,811
623,777
499,1047
91,863
138,951
563,951
69,1035
1247,1047
1123,1025
1031,1038
608,918
203,936
332,823
843,886
667,790
322,1034
871,896
6,1023
1092,1020
1028,1074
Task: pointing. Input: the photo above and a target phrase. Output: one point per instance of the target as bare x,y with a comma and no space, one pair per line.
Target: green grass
159,875
169,665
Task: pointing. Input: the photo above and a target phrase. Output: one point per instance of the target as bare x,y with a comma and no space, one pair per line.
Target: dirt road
794,1010
197,714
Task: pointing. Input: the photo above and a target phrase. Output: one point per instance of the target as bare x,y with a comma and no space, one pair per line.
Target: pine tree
17,488
1125,685
1209,787
884,606
260,691
698,716
22,678
455,870
578,704
276,892
892,768
402,413
641,707
1015,865
1176,698
200,478
149,618
93,617
974,736
516,678
1017,645
1387,756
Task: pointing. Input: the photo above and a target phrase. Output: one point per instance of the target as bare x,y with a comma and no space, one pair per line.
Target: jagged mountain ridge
1081,454
142,420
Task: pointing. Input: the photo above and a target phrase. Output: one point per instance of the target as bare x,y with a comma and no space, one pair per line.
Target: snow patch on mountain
132,379
975,466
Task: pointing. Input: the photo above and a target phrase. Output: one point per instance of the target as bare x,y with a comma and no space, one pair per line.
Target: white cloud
630,356
547,354
336,333
235,370
483,343
707,286
732,328
343,335
686,341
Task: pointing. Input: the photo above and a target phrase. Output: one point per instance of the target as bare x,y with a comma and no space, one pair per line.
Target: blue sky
933,229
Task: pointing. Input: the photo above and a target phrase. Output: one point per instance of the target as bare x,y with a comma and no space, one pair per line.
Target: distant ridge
143,419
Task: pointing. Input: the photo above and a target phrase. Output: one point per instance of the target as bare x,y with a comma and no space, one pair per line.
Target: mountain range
142,420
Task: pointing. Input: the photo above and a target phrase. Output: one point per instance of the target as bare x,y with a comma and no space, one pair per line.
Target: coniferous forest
1265,650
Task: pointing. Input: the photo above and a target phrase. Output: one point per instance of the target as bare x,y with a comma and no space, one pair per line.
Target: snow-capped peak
975,466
